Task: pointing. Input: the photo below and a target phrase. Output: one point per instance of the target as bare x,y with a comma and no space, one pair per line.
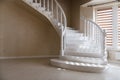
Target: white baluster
40,3
88,30
52,6
62,43
57,13
98,34
91,31
101,41
61,19
30,1
44,3
48,3
85,25
95,34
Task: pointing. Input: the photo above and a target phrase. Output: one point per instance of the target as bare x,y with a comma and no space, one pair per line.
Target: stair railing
57,14
61,18
94,33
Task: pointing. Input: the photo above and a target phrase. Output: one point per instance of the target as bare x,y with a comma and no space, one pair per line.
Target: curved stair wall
79,51
54,13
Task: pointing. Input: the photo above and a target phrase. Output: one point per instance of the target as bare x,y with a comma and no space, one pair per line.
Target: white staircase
79,51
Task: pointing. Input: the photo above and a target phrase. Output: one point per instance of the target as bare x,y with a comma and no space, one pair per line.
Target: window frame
115,39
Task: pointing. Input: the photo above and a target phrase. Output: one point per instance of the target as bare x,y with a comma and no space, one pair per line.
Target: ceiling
95,2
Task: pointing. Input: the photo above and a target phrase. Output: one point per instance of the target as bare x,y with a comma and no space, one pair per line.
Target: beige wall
75,12
66,5
24,33
72,10
87,12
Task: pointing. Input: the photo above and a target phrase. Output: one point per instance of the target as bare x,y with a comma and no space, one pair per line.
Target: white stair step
28,1
84,59
78,36
72,31
81,44
35,5
78,66
84,53
74,35
48,12
77,40
41,8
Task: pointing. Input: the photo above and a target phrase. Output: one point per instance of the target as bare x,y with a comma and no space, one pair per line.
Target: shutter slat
104,20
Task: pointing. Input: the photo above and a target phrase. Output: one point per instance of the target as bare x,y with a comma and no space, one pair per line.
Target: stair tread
79,57
84,59
78,48
78,66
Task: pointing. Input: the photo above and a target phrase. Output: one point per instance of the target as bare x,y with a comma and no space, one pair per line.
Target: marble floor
40,69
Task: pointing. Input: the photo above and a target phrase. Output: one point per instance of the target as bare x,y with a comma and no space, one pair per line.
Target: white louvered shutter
104,20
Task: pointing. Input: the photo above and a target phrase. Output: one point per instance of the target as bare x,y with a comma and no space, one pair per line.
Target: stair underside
78,66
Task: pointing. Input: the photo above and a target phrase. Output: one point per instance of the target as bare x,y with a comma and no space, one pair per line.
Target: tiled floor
40,69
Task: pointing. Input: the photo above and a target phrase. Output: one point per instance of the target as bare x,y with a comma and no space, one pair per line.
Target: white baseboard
28,57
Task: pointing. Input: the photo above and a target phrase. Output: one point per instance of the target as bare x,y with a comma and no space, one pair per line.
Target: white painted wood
90,43
52,6
79,66
40,3
48,3
57,13
44,5
115,28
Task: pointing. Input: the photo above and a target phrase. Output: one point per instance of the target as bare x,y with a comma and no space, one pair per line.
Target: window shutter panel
104,20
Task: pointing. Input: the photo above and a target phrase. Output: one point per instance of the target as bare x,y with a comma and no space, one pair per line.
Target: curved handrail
102,31
53,7
94,32
62,12
63,29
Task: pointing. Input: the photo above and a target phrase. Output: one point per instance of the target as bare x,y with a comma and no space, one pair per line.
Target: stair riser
80,54
83,60
78,68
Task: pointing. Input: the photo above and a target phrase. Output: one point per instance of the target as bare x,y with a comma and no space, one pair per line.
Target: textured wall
25,33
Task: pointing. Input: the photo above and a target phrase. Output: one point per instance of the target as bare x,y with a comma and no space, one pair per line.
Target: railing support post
62,43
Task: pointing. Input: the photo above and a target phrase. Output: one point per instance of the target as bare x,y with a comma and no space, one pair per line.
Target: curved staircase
79,51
